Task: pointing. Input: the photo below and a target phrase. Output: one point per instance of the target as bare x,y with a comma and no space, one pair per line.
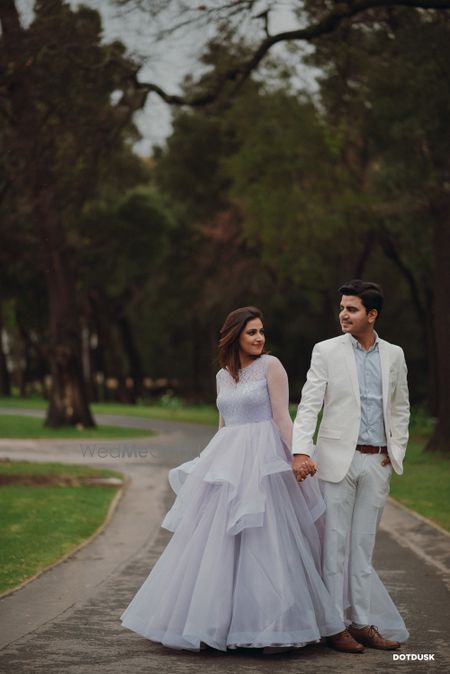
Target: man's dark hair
371,294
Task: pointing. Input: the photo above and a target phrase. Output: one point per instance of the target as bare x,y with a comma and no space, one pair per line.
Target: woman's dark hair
234,324
371,294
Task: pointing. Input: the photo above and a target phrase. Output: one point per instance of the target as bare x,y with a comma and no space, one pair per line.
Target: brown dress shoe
370,637
345,642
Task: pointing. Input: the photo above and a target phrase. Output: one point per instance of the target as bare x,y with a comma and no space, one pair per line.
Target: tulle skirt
243,565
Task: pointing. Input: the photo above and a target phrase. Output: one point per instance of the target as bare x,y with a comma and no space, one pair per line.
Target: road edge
109,515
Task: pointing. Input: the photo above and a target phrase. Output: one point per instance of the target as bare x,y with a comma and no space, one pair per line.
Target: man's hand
386,461
303,465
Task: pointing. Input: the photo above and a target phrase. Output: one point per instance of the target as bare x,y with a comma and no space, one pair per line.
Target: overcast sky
166,62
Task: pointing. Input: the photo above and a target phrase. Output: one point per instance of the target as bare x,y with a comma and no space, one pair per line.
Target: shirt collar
357,345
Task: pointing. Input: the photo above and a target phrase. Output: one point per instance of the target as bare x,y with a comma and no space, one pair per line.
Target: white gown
243,565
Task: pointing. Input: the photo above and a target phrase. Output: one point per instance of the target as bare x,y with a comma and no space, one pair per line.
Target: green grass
32,403
425,483
199,414
9,467
15,426
40,524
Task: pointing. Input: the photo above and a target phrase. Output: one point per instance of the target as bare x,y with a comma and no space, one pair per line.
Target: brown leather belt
370,449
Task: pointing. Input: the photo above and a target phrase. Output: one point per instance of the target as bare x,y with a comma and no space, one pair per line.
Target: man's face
354,317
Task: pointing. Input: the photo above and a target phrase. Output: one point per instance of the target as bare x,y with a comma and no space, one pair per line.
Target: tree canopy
119,269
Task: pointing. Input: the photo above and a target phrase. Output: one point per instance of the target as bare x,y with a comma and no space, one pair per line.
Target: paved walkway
67,620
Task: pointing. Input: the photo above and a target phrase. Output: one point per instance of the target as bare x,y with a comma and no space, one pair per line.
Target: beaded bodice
246,401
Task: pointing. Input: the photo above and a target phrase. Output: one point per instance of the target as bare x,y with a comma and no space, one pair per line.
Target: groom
360,380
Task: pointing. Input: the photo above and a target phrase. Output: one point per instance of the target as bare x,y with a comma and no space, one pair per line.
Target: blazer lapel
385,366
350,362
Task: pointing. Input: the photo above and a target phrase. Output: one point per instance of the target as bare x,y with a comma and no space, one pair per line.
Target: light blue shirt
368,364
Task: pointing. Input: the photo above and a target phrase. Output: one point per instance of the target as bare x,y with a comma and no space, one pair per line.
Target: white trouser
354,509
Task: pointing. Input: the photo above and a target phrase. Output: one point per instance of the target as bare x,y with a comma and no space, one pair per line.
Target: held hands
303,465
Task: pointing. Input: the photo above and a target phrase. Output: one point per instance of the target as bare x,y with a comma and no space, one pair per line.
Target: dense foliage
265,196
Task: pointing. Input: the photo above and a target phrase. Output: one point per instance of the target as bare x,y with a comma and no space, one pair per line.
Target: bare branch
265,16
199,16
239,74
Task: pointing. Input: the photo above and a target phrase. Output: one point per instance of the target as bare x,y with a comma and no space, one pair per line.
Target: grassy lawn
425,483
39,524
10,467
199,414
32,403
15,426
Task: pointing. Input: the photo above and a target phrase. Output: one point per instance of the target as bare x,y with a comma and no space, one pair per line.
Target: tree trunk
5,381
364,254
440,440
197,364
68,399
432,356
24,363
110,345
68,395
134,358
422,303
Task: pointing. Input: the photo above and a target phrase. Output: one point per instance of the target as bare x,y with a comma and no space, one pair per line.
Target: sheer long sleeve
311,402
278,385
221,421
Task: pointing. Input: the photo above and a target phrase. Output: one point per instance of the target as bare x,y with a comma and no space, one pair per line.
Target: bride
243,566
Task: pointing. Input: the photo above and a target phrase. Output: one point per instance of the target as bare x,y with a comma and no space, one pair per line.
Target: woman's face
252,338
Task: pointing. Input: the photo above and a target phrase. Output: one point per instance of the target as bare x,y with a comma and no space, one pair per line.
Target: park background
300,145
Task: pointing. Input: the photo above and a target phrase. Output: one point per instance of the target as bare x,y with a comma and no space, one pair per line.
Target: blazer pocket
327,432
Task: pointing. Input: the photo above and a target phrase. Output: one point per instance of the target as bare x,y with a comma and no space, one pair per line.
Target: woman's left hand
303,466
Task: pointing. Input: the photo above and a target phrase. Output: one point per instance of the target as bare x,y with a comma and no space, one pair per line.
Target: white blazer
332,382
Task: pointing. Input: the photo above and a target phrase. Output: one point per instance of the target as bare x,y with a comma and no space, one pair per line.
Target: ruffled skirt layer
243,565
